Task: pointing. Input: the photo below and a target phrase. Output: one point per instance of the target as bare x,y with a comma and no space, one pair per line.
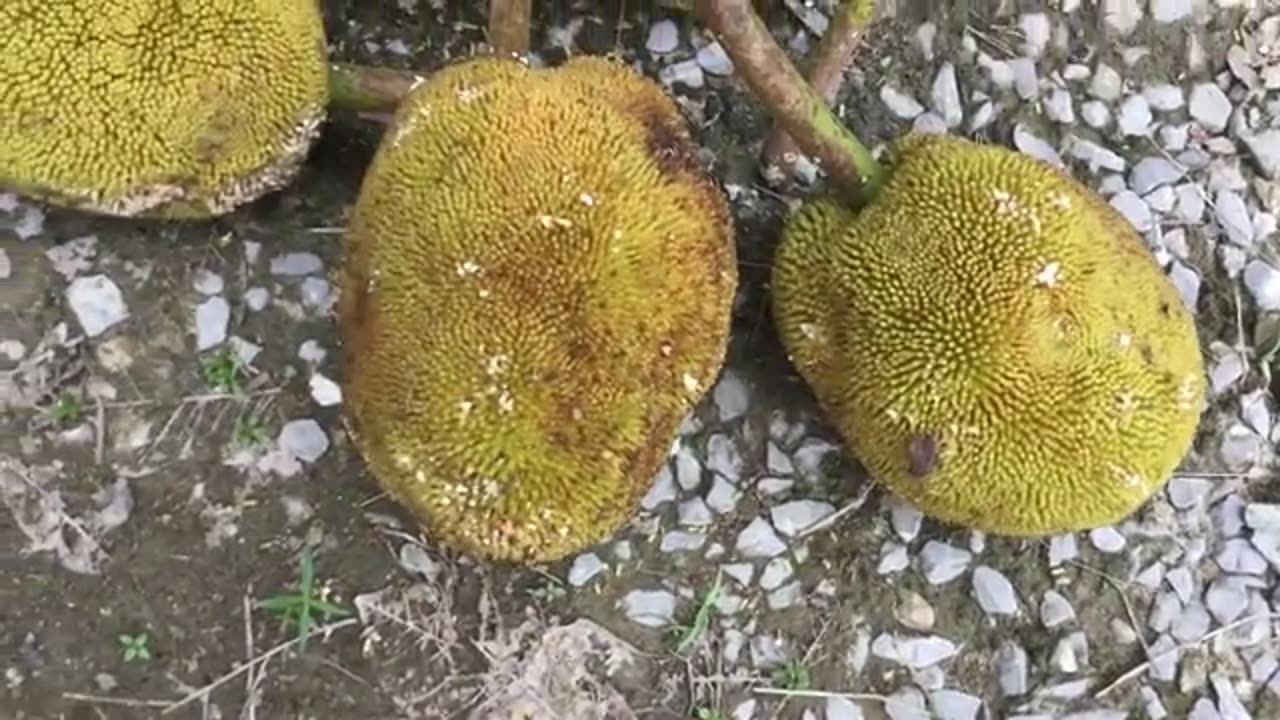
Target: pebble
1226,599
685,72
1171,11
1029,144
983,116
723,456
791,518
1098,157
1062,548
1239,556
1122,15
758,540
1182,582
1263,282
913,652
714,60
905,518
311,352
296,264
1164,97
324,391
585,567
663,490
993,591
1036,31
1059,108
777,461
1153,172
906,703
688,469
1186,493
745,710
838,708
946,96
97,303
954,705
207,283
942,563
1026,80
1106,83
212,318
1135,115
1107,539
651,608
1055,609
682,541
1229,705
899,103
925,35
304,439
316,293
664,37
1191,624
776,572
1262,516
1265,149
694,512
1233,217
1134,209
1095,114
894,558
786,596
723,496
256,298
1012,666
731,397
999,70
929,123
1210,107
914,612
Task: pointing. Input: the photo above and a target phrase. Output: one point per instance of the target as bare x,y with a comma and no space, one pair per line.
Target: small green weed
67,409
298,607
249,431
224,371
709,713
688,635
792,676
134,647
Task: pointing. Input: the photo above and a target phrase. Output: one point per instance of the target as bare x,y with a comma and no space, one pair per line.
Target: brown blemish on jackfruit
921,315
522,213
158,108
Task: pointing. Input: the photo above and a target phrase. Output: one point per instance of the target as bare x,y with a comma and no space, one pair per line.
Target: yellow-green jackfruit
537,286
155,108
994,341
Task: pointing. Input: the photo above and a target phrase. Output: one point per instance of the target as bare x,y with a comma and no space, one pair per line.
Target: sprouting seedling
690,634
249,431
67,409
134,647
792,675
224,371
298,607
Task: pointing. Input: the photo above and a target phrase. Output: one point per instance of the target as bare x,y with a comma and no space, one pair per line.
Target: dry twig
509,27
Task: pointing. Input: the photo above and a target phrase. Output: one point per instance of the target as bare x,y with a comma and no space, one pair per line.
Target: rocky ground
170,451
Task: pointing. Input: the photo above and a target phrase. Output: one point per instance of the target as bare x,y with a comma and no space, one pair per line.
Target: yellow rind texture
991,307
537,287
155,108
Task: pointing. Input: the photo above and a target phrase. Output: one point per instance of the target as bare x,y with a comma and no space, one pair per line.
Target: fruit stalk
509,27
829,59
360,88
796,107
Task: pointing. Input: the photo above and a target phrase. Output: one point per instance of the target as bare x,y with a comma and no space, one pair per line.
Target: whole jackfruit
537,286
993,341
155,108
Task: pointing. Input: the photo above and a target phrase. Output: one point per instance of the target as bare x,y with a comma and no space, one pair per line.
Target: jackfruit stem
509,27
826,72
796,106
361,88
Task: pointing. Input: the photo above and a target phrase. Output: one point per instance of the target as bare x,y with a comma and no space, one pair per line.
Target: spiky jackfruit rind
995,343
158,109
537,287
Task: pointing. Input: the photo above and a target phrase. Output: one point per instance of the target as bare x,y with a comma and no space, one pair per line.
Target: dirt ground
206,533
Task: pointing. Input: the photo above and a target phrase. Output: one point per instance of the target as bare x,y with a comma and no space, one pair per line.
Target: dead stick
369,89
795,106
509,27
830,58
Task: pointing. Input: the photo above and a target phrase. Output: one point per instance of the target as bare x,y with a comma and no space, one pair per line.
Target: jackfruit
154,108
536,288
992,340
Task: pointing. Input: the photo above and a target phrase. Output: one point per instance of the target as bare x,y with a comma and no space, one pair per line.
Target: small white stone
256,298
682,541
1161,200
1153,172
1055,609
926,651
777,461
1135,116
731,396
212,317
946,96
714,60
1026,79
1122,15
694,512
941,562
685,72
723,456
1262,516
207,283
1107,539
776,572
899,103
954,705
796,516
1059,108
1096,156
585,567
97,303
1012,666
1062,548
1188,282
1134,209
311,352
723,495
1036,30
786,596
905,518
1186,493
983,116
1029,144
1263,282
999,70
1095,114
929,123
894,558
1226,599
1164,97
1233,217
1210,107
651,608
993,591
1171,11
324,391
304,439
925,35
838,708
688,469
664,37
296,264
1265,149
758,540
1190,202
1106,84
663,490
316,293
